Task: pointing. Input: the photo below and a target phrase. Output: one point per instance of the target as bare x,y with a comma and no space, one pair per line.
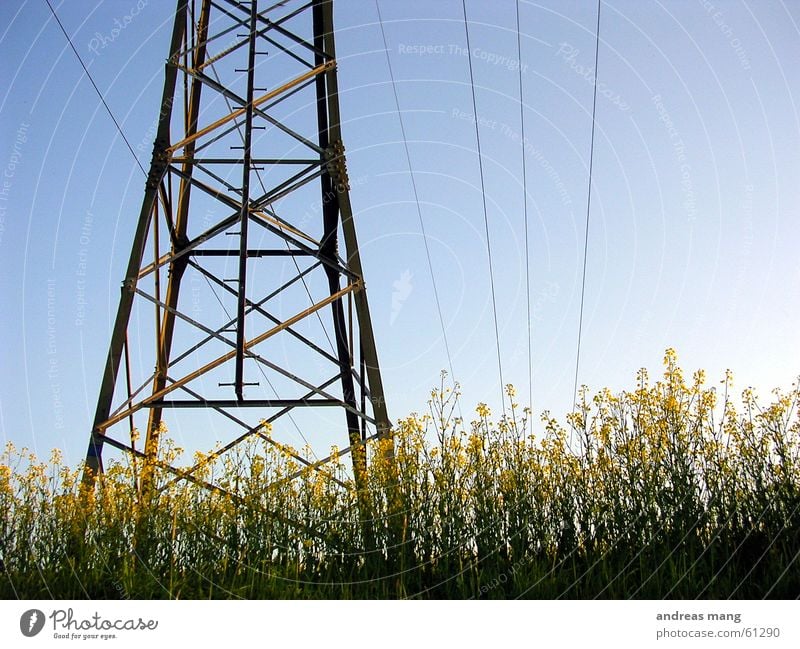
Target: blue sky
693,230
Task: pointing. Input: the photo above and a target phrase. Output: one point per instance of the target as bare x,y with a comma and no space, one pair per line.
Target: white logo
31,622
402,289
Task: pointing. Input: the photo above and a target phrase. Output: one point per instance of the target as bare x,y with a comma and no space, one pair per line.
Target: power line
525,217
485,211
588,206
96,89
416,193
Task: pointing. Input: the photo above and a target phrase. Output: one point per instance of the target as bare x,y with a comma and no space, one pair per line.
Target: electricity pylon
246,198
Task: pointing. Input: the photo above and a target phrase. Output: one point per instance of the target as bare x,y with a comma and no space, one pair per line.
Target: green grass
668,490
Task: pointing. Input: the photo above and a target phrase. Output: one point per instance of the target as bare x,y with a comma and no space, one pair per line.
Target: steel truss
239,77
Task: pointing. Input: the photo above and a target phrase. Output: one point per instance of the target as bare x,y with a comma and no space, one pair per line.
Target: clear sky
693,231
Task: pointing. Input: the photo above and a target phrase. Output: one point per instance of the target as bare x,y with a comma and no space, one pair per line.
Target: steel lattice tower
248,129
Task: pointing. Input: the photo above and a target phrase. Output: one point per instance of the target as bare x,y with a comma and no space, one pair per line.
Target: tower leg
158,166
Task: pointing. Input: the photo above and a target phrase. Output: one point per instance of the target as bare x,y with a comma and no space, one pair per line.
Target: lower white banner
354,624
